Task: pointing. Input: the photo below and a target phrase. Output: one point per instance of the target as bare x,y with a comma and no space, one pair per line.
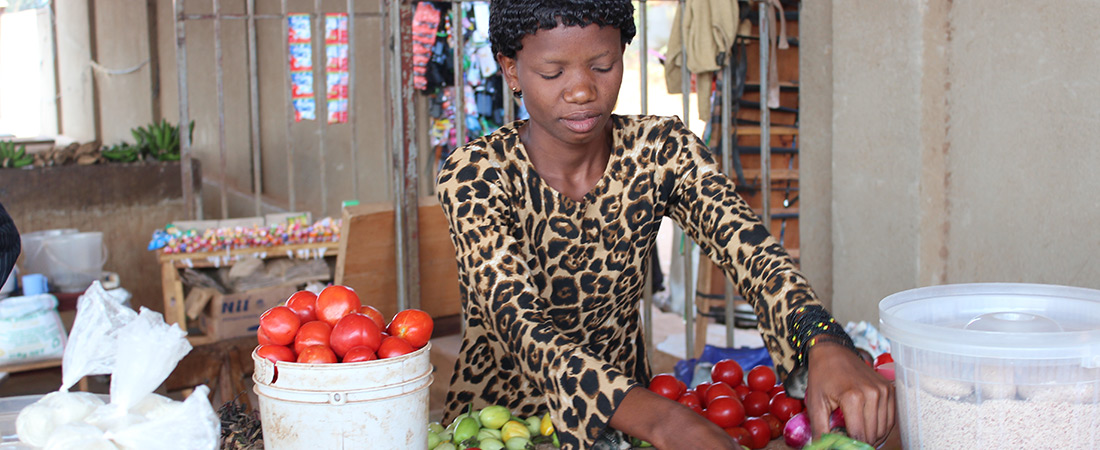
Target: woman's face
570,79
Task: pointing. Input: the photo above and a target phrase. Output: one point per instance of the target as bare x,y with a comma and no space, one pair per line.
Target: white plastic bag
148,351
93,340
194,425
30,329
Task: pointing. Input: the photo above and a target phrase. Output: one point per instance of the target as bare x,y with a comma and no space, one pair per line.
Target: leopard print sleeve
704,203
512,353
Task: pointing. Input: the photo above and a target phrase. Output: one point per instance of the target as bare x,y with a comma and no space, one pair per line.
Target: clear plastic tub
996,365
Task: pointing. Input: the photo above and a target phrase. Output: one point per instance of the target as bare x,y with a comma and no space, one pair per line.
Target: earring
517,93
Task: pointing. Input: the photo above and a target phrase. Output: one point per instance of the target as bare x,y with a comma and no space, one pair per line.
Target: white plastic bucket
74,260
34,259
381,404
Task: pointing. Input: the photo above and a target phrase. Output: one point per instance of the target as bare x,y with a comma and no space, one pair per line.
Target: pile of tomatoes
751,407
334,326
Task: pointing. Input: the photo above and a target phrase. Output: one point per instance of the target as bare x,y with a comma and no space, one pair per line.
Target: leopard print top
551,286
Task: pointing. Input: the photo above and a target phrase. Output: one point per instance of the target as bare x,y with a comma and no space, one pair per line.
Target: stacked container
996,365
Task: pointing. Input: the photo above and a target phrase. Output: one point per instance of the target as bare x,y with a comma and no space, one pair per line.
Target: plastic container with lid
996,365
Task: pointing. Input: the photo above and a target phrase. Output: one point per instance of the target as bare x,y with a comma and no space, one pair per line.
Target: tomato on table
728,371
774,423
760,431
725,412
317,354
783,407
761,378
741,435
691,400
275,353
716,390
374,315
394,346
666,386
359,354
755,403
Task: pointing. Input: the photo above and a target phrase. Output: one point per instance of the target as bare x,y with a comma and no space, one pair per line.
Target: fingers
818,409
858,418
886,414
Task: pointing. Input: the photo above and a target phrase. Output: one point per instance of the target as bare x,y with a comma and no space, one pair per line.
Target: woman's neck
572,170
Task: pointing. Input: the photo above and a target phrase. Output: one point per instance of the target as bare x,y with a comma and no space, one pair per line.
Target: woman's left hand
838,378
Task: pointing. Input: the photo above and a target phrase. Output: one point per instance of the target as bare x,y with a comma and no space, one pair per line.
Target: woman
554,219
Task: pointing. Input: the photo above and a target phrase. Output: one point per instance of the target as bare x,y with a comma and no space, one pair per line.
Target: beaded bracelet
811,325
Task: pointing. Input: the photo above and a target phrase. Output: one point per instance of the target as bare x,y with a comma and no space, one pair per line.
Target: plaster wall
956,141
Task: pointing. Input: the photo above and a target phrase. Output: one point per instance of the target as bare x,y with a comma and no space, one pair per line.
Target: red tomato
275,353
761,378
701,389
783,407
262,338
335,302
359,354
776,390
394,346
691,400
728,371
883,359
725,412
716,390
760,431
412,325
773,423
374,315
280,324
742,391
354,330
756,403
317,354
305,304
312,333
740,434
666,386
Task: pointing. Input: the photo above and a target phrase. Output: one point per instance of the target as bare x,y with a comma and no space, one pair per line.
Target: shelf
217,259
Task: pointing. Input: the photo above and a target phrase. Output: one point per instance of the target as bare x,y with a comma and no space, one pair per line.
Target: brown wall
125,202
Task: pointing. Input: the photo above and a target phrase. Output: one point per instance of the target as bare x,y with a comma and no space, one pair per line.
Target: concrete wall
957,142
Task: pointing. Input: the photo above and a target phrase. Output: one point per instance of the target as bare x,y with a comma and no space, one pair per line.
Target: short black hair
511,20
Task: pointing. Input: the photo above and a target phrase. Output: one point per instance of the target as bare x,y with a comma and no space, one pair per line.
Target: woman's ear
508,70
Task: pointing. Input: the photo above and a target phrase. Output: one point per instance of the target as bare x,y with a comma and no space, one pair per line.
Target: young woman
554,220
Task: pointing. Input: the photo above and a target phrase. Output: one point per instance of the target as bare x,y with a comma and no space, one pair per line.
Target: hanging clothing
710,27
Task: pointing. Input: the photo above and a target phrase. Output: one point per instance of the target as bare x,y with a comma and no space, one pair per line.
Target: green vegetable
10,157
836,441
491,444
433,439
161,140
122,153
488,433
466,429
494,416
517,443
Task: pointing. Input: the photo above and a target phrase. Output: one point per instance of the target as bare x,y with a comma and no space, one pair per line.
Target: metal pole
398,151
289,108
322,119
765,118
219,75
459,100
187,177
727,165
353,145
254,98
680,236
647,293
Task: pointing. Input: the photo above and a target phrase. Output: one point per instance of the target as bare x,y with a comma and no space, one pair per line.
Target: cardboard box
238,314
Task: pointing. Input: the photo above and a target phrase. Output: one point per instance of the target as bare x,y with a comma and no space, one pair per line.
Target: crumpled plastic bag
867,337
149,350
92,342
139,350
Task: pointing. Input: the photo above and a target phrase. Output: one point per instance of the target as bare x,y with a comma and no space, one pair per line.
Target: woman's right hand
667,424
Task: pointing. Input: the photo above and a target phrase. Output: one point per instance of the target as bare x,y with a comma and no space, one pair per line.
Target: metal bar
322,119
292,205
397,128
459,100
680,236
647,293
220,75
353,145
254,99
727,168
186,170
765,119
643,56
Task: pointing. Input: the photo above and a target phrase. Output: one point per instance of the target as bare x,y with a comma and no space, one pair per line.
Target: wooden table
172,263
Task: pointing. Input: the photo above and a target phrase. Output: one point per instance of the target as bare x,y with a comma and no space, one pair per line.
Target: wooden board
366,260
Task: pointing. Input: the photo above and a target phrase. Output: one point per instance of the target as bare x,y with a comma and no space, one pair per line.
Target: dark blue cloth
747,357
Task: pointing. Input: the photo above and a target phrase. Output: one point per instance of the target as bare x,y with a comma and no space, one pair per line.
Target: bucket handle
45,247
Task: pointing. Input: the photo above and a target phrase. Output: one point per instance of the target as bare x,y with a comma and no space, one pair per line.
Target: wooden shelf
207,259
